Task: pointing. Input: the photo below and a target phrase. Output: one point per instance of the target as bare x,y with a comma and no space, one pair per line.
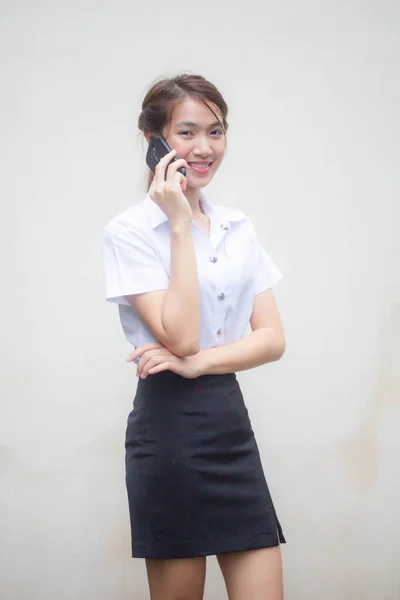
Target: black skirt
193,472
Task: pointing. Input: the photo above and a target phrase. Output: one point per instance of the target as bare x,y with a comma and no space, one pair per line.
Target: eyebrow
190,124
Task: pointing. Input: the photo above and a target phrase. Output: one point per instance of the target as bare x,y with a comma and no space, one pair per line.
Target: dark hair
162,97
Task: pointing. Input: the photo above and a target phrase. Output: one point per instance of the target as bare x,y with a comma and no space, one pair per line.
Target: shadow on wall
362,453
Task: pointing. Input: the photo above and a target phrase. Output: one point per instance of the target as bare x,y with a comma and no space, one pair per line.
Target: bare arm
265,344
173,315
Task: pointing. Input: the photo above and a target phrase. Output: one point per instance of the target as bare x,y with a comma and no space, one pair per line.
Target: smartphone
158,147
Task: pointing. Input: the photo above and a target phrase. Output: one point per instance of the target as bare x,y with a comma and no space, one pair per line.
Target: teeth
200,165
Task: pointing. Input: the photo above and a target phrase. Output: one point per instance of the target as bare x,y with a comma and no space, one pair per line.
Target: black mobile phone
158,147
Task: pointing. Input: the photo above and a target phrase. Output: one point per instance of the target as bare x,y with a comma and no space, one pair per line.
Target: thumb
175,367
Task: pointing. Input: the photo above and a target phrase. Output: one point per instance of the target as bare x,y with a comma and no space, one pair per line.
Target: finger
159,174
164,366
174,367
144,360
144,348
180,180
133,356
147,356
161,351
152,362
137,352
173,168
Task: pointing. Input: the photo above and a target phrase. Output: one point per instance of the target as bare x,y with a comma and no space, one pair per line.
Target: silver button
224,226
213,259
221,296
219,332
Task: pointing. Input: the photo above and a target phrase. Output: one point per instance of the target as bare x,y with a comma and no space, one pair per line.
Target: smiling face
197,136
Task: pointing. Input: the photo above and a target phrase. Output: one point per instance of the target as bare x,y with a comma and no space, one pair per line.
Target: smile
200,167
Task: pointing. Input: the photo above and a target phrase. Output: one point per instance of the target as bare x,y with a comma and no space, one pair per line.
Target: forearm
181,307
259,347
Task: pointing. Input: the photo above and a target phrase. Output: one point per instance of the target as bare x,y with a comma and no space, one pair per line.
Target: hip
189,417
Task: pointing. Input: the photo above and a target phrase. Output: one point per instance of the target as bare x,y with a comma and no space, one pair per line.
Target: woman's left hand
156,358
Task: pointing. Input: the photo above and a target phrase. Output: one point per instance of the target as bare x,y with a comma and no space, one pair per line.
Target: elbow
187,349
188,343
280,347
182,347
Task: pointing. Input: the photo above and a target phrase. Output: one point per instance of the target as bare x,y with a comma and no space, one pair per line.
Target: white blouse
232,268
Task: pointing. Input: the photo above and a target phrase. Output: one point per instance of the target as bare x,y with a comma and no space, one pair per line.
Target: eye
217,132
185,133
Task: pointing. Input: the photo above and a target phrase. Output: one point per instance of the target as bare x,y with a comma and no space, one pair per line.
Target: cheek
177,144
219,150
183,147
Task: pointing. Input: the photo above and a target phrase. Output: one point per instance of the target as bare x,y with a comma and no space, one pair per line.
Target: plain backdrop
313,158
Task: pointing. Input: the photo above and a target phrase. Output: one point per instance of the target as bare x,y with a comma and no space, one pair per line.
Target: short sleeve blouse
232,268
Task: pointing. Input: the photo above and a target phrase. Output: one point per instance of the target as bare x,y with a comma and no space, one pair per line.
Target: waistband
170,380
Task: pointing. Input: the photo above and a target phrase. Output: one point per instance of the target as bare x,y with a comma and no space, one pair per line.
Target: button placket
218,234
220,283
220,309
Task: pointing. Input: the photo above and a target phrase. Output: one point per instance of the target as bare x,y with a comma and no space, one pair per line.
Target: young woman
189,275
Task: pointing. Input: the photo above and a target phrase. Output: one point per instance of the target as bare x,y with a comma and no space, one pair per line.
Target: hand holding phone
158,148
169,181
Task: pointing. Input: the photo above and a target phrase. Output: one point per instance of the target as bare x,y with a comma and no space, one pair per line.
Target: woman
189,275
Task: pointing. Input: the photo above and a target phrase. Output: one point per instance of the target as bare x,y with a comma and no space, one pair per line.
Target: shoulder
133,221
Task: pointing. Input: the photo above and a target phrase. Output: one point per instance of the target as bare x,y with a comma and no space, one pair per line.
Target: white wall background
314,93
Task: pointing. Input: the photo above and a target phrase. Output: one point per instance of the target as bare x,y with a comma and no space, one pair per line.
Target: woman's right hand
168,192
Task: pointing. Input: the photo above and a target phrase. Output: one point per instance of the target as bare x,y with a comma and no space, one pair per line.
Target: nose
202,147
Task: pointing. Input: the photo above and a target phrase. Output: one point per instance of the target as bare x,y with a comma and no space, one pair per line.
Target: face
196,135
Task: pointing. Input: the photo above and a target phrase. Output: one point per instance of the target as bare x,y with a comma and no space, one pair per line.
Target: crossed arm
173,315
266,343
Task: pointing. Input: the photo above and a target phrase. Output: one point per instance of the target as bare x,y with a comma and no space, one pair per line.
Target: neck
193,197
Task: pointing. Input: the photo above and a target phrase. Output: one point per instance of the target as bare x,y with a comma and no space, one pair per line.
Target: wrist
202,363
180,225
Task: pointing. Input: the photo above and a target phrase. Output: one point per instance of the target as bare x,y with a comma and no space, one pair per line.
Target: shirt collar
157,216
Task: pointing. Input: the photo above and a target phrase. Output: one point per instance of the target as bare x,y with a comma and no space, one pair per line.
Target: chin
199,182
198,185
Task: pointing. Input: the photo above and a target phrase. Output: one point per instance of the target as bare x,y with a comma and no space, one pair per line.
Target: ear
147,135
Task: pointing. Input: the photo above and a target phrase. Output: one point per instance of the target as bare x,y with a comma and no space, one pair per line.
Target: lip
201,171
